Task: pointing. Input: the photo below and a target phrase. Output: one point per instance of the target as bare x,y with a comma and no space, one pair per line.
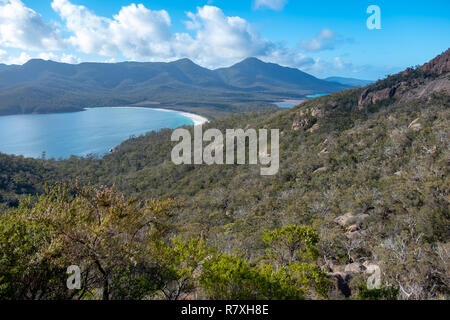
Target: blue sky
324,38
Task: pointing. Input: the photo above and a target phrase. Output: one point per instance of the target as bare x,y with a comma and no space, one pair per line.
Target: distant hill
4,67
350,81
45,86
257,75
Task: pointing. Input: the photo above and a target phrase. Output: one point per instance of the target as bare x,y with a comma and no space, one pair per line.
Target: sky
321,37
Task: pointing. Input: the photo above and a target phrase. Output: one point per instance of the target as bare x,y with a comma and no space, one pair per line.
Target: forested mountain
45,86
363,186
5,67
255,75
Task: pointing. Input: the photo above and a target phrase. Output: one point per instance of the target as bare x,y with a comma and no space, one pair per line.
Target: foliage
181,262
292,243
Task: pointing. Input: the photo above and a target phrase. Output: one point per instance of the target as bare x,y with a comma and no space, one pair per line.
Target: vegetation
359,188
126,250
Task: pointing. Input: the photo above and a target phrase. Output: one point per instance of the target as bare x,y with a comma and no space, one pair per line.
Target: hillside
255,75
366,168
45,86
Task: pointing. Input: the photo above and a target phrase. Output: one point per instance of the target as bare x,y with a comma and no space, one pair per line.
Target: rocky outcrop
352,224
297,125
353,228
317,112
411,83
355,267
370,267
439,65
315,127
368,97
350,219
343,275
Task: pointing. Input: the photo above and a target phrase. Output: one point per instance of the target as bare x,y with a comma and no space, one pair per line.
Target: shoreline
197,119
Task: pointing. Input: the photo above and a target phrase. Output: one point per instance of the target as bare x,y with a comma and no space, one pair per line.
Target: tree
180,263
292,243
98,230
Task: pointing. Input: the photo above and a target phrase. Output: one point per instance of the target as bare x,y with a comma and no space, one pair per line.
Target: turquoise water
312,96
94,131
287,104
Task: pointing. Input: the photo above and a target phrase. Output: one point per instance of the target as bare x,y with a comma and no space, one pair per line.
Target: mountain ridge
41,86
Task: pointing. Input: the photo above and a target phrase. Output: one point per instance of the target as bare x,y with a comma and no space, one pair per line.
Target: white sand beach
198,120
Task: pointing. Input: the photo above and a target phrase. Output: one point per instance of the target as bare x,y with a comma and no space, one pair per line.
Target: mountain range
41,86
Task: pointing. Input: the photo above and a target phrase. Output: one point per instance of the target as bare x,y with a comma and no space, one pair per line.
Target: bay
93,131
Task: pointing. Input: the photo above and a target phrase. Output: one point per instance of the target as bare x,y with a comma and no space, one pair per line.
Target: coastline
198,120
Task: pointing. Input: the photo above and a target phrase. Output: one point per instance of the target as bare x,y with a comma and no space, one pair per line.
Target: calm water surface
94,131
287,104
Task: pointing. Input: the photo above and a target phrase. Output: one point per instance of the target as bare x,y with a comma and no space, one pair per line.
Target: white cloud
69,58
66,58
23,28
138,33
271,4
219,39
135,32
7,59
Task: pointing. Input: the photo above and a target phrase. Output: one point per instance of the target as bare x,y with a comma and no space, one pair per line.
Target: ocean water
312,96
94,131
287,104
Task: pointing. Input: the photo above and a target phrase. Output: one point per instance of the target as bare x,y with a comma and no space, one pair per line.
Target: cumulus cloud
137,33
8,59
141,34
219,38
23,57
271,4
69,58
66,58
134,32
23,28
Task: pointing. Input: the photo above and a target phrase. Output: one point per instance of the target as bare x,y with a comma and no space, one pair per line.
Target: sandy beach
198,120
